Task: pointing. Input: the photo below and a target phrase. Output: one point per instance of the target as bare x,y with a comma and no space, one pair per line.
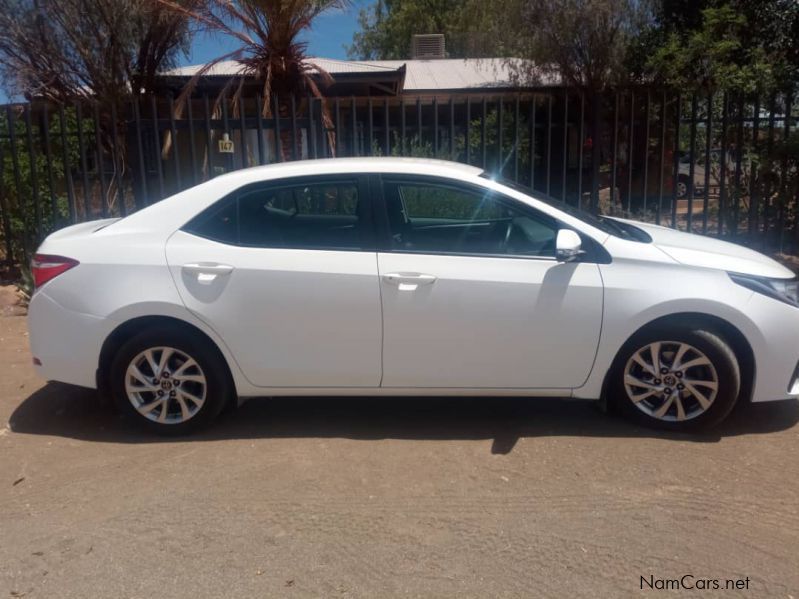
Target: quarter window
323,215
441,218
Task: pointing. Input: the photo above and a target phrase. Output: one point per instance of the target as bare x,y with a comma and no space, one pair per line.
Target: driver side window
433,217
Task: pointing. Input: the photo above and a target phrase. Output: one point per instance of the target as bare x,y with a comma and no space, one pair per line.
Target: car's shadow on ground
73,412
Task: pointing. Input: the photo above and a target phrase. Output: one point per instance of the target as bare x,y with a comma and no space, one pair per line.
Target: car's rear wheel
676,378
169,381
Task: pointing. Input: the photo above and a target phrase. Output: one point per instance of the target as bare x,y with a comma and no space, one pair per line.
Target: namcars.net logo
689,582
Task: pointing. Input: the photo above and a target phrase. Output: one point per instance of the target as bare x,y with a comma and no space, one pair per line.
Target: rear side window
307,215
219,222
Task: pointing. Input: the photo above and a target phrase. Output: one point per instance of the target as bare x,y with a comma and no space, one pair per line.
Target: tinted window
603,223
440,218
310,215
219,222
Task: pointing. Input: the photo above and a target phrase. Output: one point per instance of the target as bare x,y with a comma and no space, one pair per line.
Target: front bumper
774,338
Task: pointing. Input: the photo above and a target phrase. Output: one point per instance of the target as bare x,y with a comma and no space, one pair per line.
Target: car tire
171,381
693,385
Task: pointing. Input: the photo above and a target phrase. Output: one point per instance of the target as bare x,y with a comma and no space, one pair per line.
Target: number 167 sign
226,144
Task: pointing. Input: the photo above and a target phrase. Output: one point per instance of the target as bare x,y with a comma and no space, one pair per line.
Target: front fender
632,302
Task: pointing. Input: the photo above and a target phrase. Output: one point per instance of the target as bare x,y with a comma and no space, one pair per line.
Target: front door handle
409,281
207,271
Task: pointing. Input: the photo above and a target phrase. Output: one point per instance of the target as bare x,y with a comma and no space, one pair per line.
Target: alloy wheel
671,381
165,385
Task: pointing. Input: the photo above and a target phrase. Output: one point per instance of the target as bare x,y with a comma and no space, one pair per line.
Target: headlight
784,290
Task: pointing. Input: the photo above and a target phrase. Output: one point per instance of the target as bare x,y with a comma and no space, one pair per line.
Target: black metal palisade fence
718,164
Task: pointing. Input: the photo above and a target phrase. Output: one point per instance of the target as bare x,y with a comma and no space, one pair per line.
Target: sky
331,33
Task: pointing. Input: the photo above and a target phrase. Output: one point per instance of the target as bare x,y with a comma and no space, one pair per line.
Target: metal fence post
6,213
12,139
676,173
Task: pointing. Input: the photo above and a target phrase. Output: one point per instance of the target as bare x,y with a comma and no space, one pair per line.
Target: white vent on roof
427,46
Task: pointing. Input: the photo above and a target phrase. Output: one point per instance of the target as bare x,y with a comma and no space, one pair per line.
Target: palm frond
185,95
270,53
191,84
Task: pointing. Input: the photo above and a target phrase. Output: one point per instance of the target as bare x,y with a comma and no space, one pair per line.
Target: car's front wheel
676,378
169,381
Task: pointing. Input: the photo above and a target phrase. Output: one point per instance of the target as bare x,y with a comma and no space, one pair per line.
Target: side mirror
568,246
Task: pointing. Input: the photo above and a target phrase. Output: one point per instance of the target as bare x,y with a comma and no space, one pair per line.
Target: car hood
707,252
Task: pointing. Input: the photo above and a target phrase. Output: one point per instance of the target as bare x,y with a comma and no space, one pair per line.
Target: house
439,78
471,110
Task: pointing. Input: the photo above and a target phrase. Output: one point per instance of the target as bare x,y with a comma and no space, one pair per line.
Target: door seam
382,325
199,317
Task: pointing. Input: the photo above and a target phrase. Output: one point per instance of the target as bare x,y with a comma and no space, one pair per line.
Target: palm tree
270,52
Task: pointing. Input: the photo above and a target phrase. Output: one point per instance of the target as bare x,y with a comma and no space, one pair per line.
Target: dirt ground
386,498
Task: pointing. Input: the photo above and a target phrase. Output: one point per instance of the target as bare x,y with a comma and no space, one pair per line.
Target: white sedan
392,276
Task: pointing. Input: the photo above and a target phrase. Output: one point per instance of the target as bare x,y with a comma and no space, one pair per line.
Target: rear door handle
207,271
408,281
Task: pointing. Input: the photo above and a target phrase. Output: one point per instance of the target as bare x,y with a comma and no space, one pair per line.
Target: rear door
473,296
285,272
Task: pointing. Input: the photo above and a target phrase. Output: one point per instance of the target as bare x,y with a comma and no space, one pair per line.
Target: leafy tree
722,53
105,50
91,51
388,26
18,168
680,15
583,42
729,45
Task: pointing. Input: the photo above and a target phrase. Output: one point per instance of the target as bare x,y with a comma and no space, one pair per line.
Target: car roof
172,212
372,164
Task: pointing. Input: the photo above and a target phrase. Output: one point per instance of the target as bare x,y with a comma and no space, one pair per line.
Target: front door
473,296
286,274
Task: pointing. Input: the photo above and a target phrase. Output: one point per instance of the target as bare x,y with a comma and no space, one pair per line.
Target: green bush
21,163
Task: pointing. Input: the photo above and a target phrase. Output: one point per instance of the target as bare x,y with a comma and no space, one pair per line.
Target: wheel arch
729,332
133,326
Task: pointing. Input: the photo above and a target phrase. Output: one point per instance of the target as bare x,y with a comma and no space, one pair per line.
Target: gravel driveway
385,498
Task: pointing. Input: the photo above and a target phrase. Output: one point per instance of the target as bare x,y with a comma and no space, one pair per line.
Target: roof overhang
385,82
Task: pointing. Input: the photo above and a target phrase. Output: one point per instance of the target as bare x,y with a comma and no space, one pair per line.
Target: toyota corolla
405,277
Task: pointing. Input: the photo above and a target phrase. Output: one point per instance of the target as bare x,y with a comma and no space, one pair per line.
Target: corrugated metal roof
334,66
224,68
421,75
452,73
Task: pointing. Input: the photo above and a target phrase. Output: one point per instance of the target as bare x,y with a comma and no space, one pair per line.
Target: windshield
606,224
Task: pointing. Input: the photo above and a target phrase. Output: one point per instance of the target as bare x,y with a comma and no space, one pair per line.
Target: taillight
45,267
